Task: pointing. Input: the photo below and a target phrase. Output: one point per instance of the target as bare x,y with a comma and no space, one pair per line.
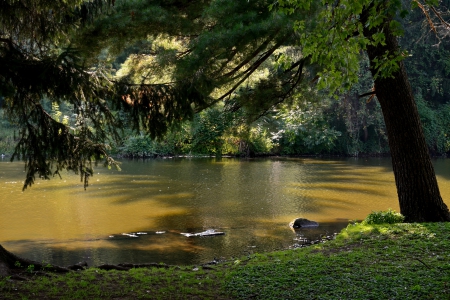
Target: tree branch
367,94
250,70
438,15
249,58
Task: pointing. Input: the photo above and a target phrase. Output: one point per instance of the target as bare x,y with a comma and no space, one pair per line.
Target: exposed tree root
11,264
18,268
126,267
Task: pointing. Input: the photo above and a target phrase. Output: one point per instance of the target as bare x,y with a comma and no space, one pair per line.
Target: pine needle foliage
222,51
38,62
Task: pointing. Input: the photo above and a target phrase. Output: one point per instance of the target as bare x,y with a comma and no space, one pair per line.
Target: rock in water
303,223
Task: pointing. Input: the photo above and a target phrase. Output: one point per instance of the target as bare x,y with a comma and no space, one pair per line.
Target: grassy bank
400,261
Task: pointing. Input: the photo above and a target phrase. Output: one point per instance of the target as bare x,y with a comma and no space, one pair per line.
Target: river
251,201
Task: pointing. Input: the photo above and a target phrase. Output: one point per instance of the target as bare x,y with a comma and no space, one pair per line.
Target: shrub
384,217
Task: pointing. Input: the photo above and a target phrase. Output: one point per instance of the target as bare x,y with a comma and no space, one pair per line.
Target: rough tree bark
417,187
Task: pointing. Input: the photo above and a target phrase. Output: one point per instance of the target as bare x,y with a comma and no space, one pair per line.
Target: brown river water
154,201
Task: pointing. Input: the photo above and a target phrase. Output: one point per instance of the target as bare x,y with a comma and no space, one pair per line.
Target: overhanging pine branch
250,70
251,56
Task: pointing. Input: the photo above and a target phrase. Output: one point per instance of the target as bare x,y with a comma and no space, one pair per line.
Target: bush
139,146
260,140
384,217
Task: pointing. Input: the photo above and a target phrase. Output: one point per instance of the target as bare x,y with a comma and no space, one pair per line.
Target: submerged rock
303,223
209,232
130,234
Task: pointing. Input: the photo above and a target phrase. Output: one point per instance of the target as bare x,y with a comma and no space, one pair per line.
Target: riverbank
399,261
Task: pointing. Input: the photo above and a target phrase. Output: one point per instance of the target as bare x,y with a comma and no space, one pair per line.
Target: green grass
400,261
396,261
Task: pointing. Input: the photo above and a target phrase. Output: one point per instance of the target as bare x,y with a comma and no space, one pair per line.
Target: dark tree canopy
38,63
192,54
216,48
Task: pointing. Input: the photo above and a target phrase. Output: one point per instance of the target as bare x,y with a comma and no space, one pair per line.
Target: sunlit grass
401,261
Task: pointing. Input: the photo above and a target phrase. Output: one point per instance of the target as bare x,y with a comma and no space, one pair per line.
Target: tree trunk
8,260
417,188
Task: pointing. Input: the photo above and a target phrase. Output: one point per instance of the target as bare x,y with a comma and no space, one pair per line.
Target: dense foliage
311,122
39,64
246,54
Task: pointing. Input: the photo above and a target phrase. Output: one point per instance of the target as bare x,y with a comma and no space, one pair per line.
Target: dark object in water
302,223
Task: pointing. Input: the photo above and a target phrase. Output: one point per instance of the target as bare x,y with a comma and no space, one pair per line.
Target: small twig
423,263
427,15
367,94
438,15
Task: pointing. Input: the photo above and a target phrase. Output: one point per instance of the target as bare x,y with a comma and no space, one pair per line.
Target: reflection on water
252,201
